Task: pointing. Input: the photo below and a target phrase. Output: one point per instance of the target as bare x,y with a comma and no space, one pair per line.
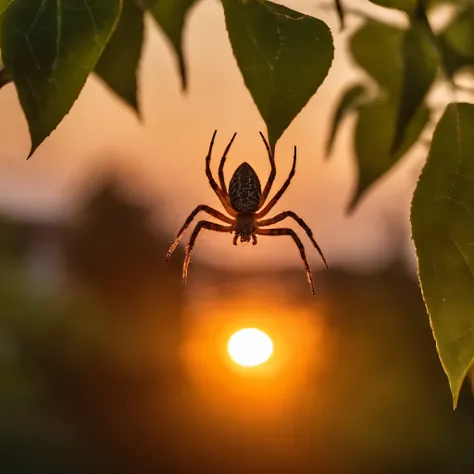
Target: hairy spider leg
299,244
271,177
279,194
301,222
199,226
220,194
213,212
221,165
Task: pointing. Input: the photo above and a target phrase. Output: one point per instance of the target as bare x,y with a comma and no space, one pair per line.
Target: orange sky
168,149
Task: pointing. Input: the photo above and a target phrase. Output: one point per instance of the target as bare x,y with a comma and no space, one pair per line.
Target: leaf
50,47
457,41
349,101
4,4
471,378
171,17
373,137
420,66
119,62
5,78
460,33
376,47
442,221
340,12
283,55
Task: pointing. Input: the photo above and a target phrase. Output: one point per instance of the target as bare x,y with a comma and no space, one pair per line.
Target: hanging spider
244,202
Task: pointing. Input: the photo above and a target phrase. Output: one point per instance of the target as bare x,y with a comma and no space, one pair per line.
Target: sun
250,347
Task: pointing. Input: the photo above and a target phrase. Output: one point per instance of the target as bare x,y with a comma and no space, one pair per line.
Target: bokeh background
109,365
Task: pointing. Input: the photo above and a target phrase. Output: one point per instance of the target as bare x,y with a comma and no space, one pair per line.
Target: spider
244,202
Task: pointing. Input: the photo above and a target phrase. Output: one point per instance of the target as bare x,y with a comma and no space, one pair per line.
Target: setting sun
250,347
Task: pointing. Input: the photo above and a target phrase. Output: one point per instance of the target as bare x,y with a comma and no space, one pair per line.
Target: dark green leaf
50,47
284,57
4,4
5,77
457,41
349,101
471,378
420,65
119,62
442,220
376,47
373,138
171,17
340,12
460,32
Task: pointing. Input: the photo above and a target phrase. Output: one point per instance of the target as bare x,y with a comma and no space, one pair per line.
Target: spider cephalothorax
244,202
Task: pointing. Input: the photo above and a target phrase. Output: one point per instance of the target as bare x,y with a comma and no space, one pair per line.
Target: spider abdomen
245,189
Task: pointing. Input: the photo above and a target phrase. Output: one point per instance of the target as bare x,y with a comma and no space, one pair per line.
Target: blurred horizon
109,365
174,135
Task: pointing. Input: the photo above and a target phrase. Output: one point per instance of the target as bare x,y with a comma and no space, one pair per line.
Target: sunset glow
250,347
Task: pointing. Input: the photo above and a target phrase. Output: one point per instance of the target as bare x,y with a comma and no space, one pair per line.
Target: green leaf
50,47
457,41
283,55
5,77
349,101
171,17
4,4
460,32
340,12
442,221
420,66
373,137
376,47
119,62
471,378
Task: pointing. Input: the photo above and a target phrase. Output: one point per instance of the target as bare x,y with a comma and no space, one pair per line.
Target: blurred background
109,365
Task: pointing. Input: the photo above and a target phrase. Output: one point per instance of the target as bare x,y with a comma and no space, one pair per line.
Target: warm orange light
250,347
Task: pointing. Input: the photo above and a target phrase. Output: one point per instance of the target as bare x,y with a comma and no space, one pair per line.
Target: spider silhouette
244,202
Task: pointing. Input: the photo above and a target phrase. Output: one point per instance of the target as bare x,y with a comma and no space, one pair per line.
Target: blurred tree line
92,381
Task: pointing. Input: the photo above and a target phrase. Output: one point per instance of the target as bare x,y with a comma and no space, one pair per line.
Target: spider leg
299,244
200,225
221,166
279,194
301,222
204,208
272,175
220,194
